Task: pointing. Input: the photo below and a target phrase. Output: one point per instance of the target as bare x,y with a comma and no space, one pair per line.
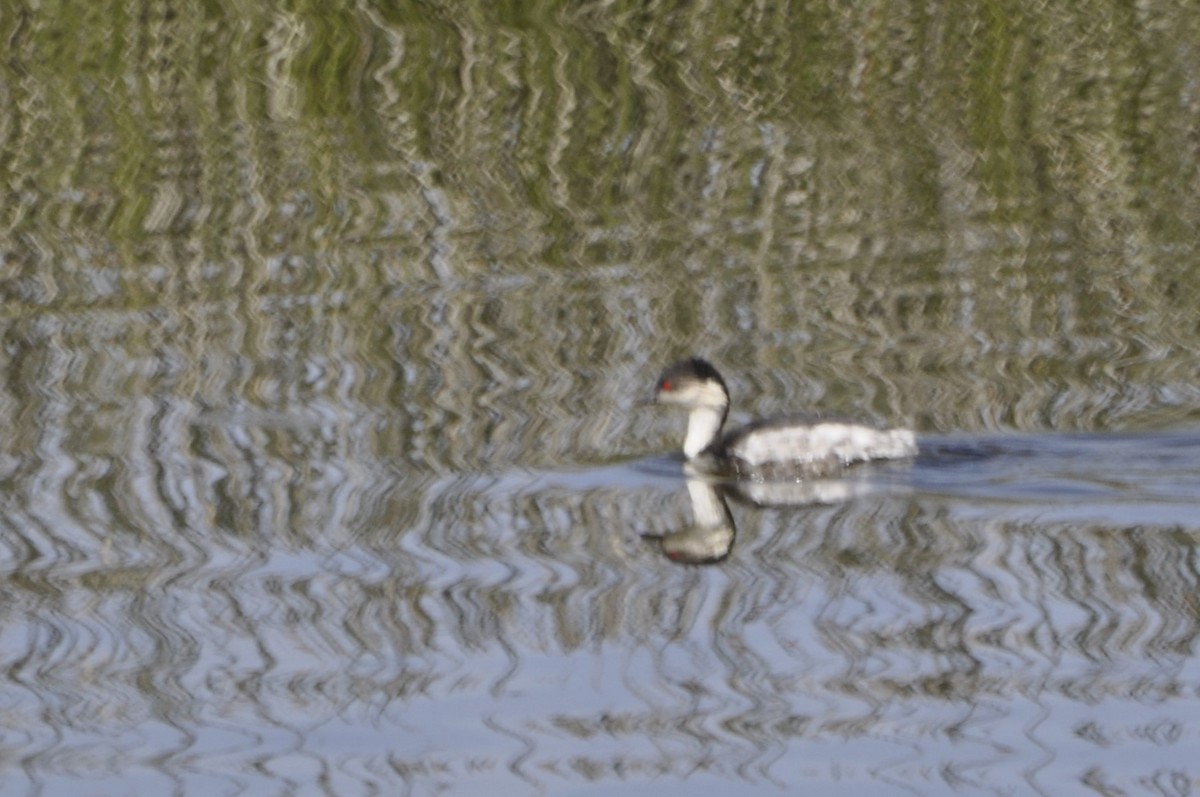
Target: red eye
666,385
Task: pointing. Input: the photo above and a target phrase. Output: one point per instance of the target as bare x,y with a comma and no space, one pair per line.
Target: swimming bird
789,447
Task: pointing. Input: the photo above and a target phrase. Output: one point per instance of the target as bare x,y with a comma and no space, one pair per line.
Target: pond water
324,340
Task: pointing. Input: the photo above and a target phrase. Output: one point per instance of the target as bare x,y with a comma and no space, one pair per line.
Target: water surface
322,339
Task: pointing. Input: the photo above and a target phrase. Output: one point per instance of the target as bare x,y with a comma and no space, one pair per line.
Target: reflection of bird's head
698,546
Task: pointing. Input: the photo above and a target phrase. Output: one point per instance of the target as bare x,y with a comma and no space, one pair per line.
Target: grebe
790,447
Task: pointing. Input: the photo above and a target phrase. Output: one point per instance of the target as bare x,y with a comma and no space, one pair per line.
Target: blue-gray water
324,335
1007,613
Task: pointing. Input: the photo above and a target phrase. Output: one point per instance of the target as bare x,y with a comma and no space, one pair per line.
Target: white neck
703,425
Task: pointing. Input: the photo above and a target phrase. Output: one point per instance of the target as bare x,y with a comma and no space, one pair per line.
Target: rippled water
323,339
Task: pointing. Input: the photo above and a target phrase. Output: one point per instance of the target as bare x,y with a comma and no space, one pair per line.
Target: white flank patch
821,442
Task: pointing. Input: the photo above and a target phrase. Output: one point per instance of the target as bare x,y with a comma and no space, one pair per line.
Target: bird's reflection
709,539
